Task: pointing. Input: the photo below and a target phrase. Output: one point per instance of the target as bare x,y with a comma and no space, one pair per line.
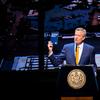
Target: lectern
76,83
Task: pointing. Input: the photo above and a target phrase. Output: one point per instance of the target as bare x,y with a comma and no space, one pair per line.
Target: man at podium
77,53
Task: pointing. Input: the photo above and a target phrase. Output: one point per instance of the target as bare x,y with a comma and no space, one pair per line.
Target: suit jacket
68,54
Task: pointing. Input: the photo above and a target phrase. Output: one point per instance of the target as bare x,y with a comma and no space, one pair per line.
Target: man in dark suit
86,52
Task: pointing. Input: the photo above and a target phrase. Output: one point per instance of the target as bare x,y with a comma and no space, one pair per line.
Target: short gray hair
81,29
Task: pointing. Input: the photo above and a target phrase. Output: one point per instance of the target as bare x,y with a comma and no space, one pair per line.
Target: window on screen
65,17
19,47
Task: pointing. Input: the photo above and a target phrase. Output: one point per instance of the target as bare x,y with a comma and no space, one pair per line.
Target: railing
30,63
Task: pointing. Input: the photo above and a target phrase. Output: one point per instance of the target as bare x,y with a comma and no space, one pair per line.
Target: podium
76,83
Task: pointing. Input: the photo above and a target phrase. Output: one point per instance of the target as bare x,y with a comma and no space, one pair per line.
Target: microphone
76,48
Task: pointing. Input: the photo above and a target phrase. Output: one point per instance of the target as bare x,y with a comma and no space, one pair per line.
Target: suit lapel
73,54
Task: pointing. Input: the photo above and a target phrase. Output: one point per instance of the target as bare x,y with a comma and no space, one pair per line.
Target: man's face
79,37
